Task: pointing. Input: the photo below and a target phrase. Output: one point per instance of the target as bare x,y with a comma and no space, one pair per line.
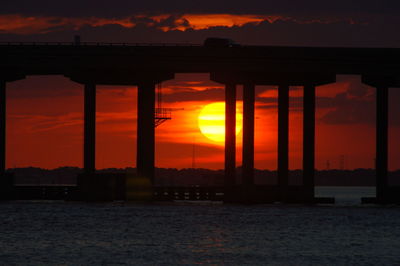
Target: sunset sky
45,113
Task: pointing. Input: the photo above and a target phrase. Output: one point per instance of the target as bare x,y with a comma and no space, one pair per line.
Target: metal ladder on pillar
161,114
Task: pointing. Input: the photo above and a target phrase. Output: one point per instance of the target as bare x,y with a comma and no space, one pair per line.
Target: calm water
346,195
56,233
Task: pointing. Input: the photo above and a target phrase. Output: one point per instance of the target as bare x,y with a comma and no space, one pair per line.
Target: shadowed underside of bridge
146,66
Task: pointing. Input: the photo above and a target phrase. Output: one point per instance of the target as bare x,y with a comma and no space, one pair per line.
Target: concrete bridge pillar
382,131
248,191
93,186
283,139
230,135
2,127
309,140
145,161
248,134
309,97
382,84
6,179
89,146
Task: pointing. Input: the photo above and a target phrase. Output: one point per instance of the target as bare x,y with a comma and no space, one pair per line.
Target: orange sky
44,128
24,25
15,23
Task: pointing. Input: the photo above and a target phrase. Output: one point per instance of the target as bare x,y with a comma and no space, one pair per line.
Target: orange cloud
19,24
205,21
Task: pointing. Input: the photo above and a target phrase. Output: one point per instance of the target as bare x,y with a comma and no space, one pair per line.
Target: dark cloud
183,150
211,94
357,105
117,8
289,33
43,87
295,103
347,110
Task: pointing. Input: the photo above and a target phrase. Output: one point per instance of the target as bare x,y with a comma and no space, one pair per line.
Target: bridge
145,66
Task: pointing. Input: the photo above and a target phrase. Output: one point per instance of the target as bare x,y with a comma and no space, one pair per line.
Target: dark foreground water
56,233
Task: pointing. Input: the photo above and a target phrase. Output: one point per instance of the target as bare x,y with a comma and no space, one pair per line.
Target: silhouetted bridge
145,66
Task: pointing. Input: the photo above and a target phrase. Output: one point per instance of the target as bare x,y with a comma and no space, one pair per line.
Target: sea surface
188,233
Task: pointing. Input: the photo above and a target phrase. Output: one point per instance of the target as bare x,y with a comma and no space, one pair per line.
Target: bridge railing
94,44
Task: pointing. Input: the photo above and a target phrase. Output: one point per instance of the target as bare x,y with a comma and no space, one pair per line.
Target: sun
212,121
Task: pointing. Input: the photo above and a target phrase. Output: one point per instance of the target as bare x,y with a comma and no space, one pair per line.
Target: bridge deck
118,61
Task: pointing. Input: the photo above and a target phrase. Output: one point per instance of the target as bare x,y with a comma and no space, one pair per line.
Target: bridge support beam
145,159
382,126
283,140
2,127
230,142
248,134
89,146
309,141
230,135
134,187
385,194
283,192
6,179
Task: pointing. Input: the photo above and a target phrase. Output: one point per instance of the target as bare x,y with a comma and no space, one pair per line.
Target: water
57,233
345,196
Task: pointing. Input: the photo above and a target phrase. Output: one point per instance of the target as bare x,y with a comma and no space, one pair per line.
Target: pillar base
138,188
6,186
101,187
271,194
391,196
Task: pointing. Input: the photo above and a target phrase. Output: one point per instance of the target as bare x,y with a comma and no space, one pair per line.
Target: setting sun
212,121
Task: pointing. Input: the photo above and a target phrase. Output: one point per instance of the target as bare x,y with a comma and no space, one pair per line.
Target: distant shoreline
205,177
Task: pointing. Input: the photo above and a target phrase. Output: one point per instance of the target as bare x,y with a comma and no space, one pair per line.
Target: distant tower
194,153
328,165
